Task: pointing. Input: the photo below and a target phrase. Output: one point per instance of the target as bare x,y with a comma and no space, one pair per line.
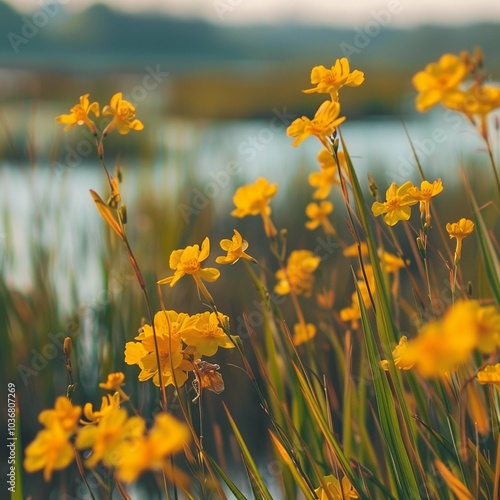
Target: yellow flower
396,355
318,213
123,113
424,195
79,114
108,404
113,382
166,437
397,204
303,332
352,250
298,275
488,325
459,230
490,374
329,81
391,263
50,450
235,249
322,125
64,414
438,80
188,261
169,326
323,182
478,100
338,490
444,344
207,335
110,437
254,199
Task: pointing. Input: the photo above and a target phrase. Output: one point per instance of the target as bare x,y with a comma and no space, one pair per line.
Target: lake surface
50,207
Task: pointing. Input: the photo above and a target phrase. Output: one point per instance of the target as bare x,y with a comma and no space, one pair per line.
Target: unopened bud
122,212
372,186
67,347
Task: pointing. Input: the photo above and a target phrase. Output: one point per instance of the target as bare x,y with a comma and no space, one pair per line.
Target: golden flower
396,355
207,335
108,404
79,114
438,80
188,261
50,450
323,182
298,275
478,100
110,437
123,113
329,81
322,125
391,263
488,325
338,490
172,362
490,374
303,332
113,382
352,250
318,213
254,199
235,249
444,344
166,437
459,230
64,414
397,204
424,195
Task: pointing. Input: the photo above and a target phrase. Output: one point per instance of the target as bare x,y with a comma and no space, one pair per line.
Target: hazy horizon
397,13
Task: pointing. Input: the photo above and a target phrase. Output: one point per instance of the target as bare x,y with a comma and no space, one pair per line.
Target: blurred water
52,209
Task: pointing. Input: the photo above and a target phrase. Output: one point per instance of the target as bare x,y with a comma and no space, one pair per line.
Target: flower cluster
445,82
400,199
122,114
442,345
182,340
113,438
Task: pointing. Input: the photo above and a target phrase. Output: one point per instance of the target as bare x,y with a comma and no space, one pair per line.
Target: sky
355,13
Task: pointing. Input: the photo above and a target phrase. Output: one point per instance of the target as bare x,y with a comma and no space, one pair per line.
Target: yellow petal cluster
79,114
298,276
329,81
442,345
397,204
337,490
123,115
438,80
52,448
322,126
235,249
